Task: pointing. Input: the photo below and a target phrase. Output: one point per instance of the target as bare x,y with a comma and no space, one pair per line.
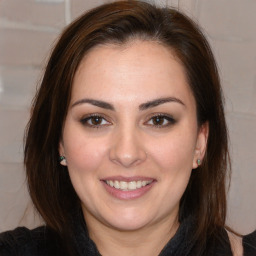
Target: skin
129,141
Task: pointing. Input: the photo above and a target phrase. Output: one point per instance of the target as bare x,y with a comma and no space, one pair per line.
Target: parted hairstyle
118,23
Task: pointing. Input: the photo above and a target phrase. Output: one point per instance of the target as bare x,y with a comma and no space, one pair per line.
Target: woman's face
131,137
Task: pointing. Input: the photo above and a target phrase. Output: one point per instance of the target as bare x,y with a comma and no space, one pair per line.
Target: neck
148,240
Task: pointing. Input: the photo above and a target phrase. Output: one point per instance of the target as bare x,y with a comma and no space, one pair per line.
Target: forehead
138,69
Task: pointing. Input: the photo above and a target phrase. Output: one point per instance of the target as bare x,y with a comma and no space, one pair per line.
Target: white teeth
123,185
132,185
126,186
143,183
116,184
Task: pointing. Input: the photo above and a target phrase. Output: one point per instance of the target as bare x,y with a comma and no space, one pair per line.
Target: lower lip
127,195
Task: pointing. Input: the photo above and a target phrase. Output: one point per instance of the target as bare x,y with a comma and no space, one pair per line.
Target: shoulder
249,244
22,241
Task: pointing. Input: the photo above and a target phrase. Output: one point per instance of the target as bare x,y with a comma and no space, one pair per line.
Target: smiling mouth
128,186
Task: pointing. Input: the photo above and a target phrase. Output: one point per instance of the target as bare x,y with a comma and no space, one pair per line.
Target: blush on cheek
85,157
170,152
176,162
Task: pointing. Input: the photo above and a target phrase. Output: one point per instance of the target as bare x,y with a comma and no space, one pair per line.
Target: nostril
127,159
127,149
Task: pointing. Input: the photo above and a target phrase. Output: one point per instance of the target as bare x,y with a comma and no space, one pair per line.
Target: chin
127,225
128,220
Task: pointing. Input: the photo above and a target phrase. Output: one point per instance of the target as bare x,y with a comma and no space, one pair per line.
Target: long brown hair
117,23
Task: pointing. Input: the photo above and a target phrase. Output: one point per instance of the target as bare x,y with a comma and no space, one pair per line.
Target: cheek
174,153
83,154
173,157
84,158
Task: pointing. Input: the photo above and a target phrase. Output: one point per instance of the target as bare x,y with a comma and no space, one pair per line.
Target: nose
127,148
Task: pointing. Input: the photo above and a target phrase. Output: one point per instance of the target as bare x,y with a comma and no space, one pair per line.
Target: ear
62,154
201,144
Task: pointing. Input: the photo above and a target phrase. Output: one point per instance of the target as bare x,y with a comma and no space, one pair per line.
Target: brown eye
158,120
161,121
95,121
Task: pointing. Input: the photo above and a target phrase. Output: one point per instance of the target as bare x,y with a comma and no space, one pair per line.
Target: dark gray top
42,241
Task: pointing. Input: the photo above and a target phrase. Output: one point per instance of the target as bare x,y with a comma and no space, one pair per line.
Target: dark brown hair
117,23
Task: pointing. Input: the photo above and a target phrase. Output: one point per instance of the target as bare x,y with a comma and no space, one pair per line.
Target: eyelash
167,118
163,117
85,121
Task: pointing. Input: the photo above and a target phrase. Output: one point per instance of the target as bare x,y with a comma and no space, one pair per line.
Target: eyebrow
156,102
143,106
98,103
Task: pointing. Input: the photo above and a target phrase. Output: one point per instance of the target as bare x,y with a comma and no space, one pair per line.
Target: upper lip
128,179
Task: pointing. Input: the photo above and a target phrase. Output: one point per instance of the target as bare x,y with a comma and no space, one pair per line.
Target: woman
126,150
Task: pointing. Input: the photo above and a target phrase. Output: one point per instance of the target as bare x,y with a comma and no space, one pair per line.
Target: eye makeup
95,120
161,120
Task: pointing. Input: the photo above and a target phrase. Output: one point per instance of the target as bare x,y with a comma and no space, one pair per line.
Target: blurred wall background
28,30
